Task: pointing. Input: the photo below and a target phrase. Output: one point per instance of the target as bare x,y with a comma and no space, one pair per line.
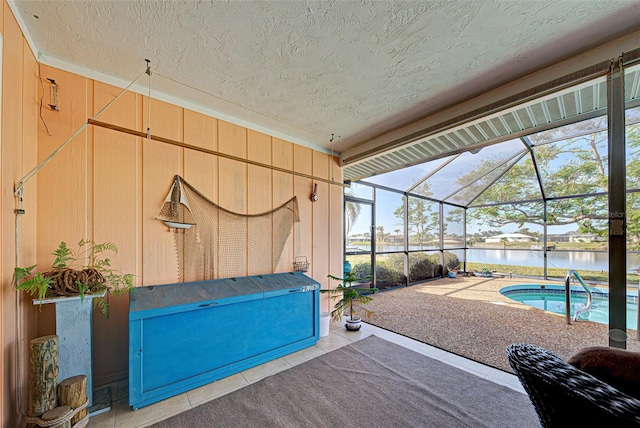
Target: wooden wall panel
303,163
116,186
116,216
201,169
232,175
113,113
63,185
321,221
336,255
166,119
18,153
232,188
10,154
29,151
28,242
160,163
63,201
283,191
112,185
259,200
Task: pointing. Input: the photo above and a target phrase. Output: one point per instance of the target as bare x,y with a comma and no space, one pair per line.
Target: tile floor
121,415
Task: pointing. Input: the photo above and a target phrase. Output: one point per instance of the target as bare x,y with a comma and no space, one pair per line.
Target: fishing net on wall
213,242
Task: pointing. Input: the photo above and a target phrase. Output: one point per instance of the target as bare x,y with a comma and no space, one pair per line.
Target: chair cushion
565,396
617,367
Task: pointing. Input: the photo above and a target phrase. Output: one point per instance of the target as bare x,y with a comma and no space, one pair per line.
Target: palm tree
352,211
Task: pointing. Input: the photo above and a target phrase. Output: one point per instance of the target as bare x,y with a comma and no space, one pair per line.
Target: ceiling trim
23,28
144,90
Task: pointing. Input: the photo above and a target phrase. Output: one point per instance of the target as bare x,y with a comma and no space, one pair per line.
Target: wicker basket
301,264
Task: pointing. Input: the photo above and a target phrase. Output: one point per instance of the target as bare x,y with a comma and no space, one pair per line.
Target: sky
443,183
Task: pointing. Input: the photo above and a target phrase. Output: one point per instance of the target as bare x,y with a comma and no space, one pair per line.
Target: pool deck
468,316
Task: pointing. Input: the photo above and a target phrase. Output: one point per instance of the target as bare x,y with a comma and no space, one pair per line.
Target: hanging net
213,242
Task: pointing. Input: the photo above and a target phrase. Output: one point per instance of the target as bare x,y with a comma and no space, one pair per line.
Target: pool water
551,298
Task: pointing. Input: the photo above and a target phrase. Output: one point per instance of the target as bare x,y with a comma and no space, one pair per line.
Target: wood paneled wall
18,140
109,186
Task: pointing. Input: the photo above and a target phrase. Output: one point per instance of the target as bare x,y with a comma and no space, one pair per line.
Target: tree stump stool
73,393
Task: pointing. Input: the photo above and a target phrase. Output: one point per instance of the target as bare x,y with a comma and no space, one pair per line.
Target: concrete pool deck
468,316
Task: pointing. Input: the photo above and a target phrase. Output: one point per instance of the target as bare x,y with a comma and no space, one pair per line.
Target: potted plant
77,273
351,297
486,273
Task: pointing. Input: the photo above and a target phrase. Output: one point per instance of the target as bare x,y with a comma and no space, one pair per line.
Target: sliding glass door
359,236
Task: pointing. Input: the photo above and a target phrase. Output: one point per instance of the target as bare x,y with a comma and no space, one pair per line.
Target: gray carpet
370,383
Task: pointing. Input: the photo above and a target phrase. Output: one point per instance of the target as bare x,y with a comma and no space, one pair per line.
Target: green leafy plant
350,296
86,270
32,283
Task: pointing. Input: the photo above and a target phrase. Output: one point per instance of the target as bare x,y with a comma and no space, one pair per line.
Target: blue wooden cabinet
185,335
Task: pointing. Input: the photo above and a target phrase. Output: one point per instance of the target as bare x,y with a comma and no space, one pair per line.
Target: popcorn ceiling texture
312,68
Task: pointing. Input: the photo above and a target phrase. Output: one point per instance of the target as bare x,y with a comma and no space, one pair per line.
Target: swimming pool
551,298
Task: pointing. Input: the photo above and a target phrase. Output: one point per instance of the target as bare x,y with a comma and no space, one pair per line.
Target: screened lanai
527,190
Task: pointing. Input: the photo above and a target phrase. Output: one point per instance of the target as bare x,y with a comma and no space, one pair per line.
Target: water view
578,260
553,299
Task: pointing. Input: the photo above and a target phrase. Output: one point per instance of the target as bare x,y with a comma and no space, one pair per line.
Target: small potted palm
351,297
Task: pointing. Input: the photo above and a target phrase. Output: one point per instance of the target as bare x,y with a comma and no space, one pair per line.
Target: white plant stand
74,327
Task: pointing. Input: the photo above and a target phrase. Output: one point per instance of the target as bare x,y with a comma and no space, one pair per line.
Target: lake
578,260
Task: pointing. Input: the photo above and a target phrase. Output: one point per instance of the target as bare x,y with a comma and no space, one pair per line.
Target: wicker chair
564,396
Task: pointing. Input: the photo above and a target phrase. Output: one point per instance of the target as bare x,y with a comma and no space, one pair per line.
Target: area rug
370,383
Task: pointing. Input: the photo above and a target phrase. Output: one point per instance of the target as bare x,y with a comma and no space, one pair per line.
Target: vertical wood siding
109,186
18,154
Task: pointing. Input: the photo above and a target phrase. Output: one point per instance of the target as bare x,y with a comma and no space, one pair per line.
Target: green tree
352,211
633,182
573,161
422,220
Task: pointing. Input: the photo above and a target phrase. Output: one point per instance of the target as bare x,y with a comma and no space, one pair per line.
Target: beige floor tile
462,363
506,379
126,417
422,348
267,369
216,389
332,342
103,420
303,355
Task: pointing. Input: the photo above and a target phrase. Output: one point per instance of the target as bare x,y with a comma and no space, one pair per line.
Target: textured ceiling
307,69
